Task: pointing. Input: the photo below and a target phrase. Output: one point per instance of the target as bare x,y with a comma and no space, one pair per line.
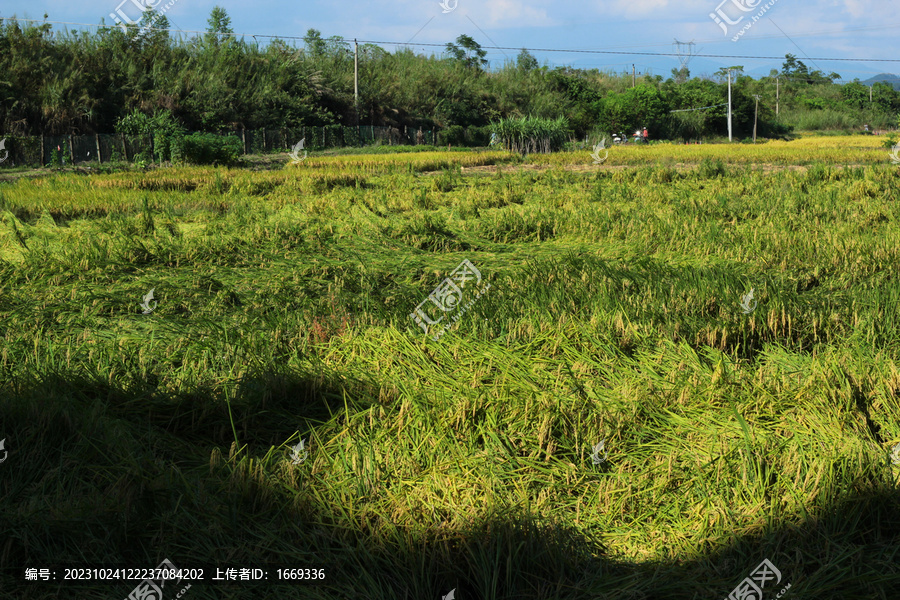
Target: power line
485,35
685,51
701,108
654,53
570,51
794,43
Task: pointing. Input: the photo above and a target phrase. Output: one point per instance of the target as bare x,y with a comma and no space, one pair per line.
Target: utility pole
356,81
870,92
777,90
632,76
755,114
729,105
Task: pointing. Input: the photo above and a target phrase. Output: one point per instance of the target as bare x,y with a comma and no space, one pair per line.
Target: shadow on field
97,473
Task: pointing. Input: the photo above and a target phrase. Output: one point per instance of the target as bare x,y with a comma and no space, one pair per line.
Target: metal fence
104,147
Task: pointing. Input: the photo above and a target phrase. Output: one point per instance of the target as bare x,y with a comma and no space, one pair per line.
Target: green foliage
211,149
828,119
447,179
162,129
855,95
468,53
454,134
219,29
812,103
531,134
55,158
478,136
795,69
711,169
216,82
526,61
641,106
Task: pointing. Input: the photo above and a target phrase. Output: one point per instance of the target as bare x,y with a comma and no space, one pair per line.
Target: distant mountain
894,80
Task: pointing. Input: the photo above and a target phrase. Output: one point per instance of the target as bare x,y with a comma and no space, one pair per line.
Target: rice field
834,151
512,378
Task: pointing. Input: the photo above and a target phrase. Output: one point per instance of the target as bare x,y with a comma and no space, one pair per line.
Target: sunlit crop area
728,327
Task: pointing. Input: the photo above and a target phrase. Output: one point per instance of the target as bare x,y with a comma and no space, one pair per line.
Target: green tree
736,72
794,69
162,130
641,106
218,30
526,61
855,95
468,52
885,98
681,75
314,43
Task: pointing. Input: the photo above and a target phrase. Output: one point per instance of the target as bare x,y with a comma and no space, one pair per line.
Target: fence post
264,139
244,139
124,148
43,160
97,139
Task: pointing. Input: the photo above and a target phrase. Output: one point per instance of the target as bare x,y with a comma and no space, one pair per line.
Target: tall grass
829,119
526,135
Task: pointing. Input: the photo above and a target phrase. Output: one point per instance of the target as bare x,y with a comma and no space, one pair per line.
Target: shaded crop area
281,312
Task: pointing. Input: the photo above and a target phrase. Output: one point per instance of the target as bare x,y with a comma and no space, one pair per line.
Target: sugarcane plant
527,135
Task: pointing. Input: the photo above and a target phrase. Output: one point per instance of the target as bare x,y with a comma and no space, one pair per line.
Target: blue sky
849,29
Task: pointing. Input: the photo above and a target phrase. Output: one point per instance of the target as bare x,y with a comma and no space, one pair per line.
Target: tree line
79,82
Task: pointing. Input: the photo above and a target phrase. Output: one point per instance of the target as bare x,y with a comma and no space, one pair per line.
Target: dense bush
478,136
211,149
162,128
454,134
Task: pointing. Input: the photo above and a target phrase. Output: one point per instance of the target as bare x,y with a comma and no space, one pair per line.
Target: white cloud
513,13
858,8
633,9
